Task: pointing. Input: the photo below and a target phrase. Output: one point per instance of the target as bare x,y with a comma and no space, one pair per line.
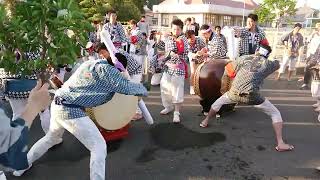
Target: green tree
270,9
55,28
95,10
127,10
150,3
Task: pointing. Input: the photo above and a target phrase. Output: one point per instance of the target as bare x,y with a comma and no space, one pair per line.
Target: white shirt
314,43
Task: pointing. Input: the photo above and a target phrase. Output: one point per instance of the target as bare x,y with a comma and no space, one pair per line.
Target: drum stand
114,135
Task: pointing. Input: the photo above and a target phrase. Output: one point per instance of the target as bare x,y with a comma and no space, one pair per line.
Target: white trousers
2,176
18,107
288,61
84,130
136,79
172,89
315,89
266,107
156,78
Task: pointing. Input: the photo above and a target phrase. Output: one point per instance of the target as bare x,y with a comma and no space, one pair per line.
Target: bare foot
204,123
284,147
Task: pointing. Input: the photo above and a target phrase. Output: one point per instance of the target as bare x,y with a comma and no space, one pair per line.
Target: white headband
205,31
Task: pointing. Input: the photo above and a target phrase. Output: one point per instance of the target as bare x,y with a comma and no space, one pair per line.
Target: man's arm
285,40
301,41
132,64
14,135
170,45
39,99
272,66
236,64
262,34
115,82
240,32
13,143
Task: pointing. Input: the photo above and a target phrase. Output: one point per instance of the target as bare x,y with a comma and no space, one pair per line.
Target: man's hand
39,99
199,53
204,50
237,32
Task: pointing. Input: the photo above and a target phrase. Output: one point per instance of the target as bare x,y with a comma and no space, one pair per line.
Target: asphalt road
238,146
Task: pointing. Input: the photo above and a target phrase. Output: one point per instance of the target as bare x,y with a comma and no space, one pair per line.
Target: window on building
154,20
211,19
227,21
165,20
238,21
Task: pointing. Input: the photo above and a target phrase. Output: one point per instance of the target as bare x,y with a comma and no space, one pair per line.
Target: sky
312,3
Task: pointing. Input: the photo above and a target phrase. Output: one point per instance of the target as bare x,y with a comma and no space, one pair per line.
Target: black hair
188,19
112,11
152,35
189,33
132,21
254,17
217,27
298,25
205,27
101,46
121,58
177,22
143,16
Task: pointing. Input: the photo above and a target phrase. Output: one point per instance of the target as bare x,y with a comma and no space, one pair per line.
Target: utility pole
244,7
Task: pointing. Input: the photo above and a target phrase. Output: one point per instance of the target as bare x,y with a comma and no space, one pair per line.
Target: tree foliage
153,2
267,10
44,26
95,10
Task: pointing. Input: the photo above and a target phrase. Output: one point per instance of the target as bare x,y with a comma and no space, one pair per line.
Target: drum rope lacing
196,80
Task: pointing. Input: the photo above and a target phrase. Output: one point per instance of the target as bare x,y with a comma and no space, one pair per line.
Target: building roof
303,13
249,4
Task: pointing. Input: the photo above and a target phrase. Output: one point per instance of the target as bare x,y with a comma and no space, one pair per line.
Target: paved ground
240,146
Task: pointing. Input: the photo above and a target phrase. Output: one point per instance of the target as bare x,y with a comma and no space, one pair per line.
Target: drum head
116,113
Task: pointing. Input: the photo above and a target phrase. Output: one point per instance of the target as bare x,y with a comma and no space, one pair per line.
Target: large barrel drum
207,84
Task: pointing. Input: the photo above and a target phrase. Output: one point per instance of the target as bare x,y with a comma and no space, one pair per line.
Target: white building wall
200,8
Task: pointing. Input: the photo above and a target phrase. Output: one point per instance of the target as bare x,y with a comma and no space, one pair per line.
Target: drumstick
145,112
